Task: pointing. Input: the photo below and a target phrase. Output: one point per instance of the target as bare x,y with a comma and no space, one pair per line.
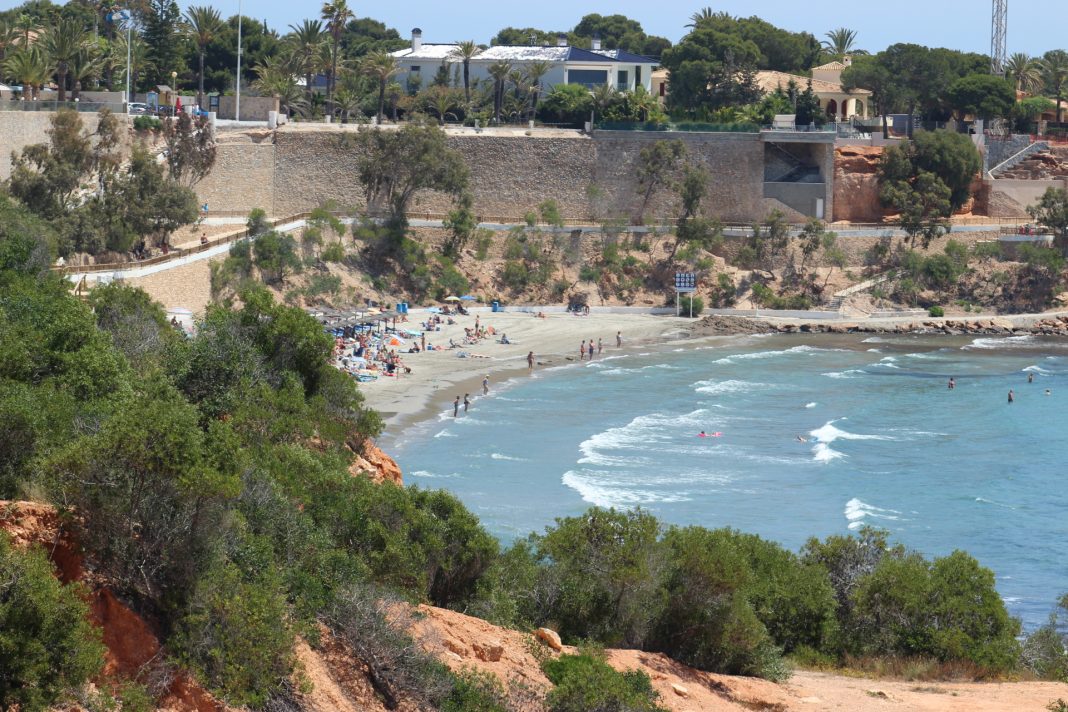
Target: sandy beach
439,376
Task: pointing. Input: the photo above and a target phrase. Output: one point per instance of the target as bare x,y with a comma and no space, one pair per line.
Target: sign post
685,283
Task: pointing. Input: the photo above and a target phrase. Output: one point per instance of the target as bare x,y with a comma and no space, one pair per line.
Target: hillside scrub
210,479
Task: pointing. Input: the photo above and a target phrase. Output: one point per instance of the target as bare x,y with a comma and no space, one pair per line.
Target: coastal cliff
372,462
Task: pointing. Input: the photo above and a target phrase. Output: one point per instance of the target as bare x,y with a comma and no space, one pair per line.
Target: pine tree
162,24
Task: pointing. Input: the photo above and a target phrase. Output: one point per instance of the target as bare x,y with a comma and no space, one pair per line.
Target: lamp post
237,107
174,93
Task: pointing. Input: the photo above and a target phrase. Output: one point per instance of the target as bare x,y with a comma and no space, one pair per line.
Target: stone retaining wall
590,178
19,129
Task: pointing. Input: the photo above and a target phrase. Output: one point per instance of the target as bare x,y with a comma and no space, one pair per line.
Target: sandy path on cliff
457,639
439,376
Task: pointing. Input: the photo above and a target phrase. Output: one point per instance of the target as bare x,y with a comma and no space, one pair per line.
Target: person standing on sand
600,347
530,361
423,337
467,401
619,339
1011,396
485,385
456,407
582,351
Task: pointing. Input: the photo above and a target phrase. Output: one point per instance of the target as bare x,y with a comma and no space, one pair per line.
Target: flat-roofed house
567,65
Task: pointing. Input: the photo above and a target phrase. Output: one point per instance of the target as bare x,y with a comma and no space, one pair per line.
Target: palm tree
535,71
9,38
275,79
701,17
60,44
336,14
138,53
204,25
642,101
86,66
1024,71
499,71
29,67
1054,68
25,24
441,100
841,42
463,52
394,92
381,67
306,41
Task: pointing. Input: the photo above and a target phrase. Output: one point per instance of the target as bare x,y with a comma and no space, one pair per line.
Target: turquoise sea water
887,445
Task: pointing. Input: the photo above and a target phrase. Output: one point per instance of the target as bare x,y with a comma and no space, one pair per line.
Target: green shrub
475,691
322,284
47,646
688,302
589,273
257,222
586,683
334,252
988,250
515,275
147,123
936,311
483,242
549,212
236,636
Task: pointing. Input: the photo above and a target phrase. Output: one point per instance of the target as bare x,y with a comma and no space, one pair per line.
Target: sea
885,444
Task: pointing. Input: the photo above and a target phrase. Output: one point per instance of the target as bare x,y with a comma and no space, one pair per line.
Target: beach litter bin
496,307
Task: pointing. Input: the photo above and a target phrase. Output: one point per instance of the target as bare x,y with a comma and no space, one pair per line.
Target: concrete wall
253,108
19,129
1010,198
590,178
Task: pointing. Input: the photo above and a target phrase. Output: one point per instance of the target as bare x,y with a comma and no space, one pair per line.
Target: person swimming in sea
802,439
1031,377
952,383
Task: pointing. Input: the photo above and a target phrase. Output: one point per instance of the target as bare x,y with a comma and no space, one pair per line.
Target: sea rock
489,651
372,462
549,637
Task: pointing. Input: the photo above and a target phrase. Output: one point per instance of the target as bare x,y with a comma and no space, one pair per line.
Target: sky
1034,27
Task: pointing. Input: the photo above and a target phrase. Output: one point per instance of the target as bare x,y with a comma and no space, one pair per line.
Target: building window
415,69
621,80
663,88
589,78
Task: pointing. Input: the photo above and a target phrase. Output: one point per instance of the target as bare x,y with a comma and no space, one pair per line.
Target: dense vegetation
210,478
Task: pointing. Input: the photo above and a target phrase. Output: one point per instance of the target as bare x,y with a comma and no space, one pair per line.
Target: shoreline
439,376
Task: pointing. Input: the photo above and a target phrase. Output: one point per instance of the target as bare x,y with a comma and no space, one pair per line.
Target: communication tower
999,37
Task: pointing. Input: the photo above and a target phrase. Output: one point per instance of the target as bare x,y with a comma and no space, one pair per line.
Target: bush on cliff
586,683
48,648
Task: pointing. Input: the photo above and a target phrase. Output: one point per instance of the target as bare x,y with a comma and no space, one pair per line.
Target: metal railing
683,126
89,107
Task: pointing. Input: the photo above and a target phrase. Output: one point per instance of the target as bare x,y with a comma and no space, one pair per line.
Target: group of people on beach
597,348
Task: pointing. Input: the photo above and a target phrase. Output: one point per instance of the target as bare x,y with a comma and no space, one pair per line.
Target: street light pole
129,38
237,109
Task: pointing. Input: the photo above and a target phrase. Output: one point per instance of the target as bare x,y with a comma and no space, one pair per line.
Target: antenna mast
999,37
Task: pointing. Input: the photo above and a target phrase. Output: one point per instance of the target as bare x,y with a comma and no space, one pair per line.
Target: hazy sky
944,23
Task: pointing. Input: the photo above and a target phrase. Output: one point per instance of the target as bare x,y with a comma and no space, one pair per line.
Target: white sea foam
1000,342
857,511
651,367
1037,369
828,433
432,476
622,446
499,456
851,373
810,405
730,386
757,355
610,494
445,434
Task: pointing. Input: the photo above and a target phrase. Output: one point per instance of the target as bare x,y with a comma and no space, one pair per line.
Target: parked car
136,109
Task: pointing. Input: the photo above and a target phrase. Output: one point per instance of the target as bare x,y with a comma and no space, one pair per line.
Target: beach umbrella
452,299
469,298
394,341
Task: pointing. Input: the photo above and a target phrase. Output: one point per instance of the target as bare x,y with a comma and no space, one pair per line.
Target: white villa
568,65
